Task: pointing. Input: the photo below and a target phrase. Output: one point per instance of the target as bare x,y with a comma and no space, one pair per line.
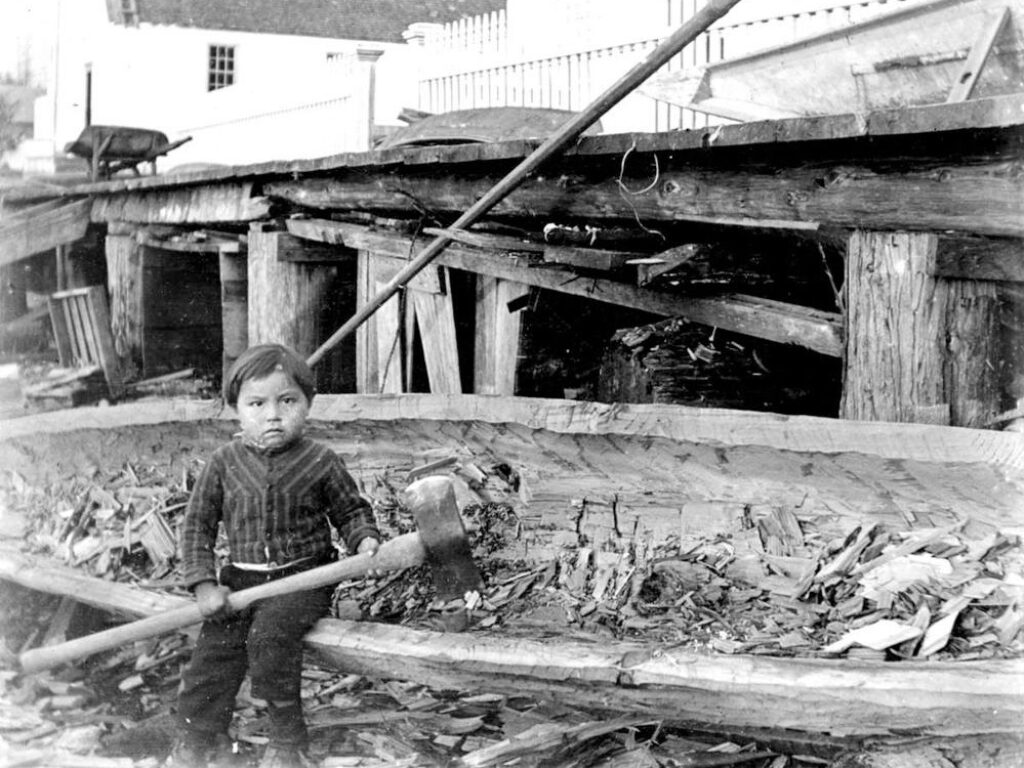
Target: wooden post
234,308
293,303
918,348
972,374
367,58
496,345
13,299
380,364
124,287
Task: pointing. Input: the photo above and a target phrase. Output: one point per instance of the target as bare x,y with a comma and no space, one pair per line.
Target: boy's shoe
286,756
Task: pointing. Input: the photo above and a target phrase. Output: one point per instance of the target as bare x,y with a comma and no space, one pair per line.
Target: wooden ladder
81,329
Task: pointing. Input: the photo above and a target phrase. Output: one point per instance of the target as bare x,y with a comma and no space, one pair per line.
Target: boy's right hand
212,599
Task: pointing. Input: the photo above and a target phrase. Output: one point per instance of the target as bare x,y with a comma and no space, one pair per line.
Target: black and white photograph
511,383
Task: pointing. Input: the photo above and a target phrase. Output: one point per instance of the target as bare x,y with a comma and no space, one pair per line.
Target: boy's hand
369,546
212,599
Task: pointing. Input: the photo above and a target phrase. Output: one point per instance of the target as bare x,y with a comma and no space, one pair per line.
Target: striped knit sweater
276,506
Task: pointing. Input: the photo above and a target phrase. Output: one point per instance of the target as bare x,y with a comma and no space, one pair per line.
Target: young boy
275,491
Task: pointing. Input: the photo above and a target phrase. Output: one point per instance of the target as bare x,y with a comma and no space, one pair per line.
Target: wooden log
838,697
981,198
806,695
293,303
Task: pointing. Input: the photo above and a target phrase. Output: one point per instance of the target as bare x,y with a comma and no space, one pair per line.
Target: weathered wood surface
498,327
998,259
844,698
983,197
896,313
763,318
919,347
42,228
124,286
291,303
202,204
994,113
645,471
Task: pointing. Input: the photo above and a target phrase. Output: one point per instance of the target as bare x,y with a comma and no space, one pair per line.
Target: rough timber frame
951,170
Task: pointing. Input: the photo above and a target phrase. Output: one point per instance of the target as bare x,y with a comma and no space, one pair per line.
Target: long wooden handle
401,552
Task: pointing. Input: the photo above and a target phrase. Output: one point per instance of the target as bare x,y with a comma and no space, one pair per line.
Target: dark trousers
264,640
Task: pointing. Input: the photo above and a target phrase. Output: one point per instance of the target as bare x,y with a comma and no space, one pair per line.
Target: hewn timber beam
200,204
982,198
183,245
980,258
760,318
41,229
808,695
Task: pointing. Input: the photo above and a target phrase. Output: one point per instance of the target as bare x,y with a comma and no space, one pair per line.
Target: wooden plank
83,329
390,329
963,86
972,334
366,334
299,250
496,346
762,318
490,241
979,258
666,261
587,258
435,317
42,229
61,333
103,339
184,205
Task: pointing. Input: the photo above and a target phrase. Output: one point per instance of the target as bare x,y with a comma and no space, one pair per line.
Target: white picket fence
472,67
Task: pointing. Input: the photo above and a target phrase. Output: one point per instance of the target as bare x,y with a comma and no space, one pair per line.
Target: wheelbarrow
113,148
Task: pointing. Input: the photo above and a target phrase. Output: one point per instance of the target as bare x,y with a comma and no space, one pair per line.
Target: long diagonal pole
565,135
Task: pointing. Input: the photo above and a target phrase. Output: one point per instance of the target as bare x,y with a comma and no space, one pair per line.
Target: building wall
294,96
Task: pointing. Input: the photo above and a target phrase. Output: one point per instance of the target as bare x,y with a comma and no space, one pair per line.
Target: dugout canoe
600,470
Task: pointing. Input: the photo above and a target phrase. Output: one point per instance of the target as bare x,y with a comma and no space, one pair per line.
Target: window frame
220,66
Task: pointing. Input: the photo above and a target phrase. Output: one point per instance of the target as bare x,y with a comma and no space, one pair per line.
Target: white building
248,80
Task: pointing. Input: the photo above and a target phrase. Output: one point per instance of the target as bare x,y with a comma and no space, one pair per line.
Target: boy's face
271,411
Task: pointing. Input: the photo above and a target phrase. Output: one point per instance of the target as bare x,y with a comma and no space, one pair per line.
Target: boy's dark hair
262,360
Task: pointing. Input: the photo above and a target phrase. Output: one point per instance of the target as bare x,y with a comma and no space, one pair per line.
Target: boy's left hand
369,546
